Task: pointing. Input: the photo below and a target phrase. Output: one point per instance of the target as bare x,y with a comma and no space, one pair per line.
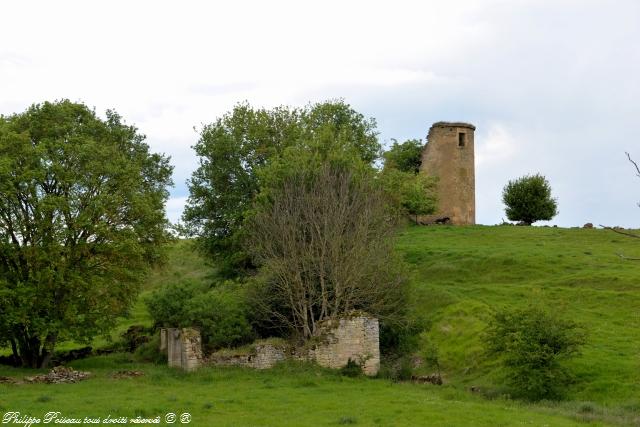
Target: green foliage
397,367
218,312
236,146
410,194
150,352
528,199
459,273
532,344
81,219
405,157
324,242
351,369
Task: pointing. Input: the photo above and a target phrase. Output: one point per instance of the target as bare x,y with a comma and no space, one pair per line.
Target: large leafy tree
81,217
233,150
528,199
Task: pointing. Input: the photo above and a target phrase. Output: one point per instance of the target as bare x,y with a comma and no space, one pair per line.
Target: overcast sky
552,86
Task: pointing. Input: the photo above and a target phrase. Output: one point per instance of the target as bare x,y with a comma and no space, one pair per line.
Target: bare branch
624,233
634,164
325,247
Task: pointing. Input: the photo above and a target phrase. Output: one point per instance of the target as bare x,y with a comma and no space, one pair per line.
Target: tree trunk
29,350
16,355
47,349
35,354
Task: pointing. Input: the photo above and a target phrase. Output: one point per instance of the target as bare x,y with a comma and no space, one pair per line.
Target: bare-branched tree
324,242
616,229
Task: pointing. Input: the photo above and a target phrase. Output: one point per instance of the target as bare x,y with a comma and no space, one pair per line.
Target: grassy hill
459,276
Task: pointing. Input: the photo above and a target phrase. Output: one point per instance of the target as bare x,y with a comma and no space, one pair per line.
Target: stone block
184,348
163,340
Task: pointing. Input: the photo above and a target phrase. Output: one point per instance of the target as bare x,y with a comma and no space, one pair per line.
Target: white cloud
552,85
495,146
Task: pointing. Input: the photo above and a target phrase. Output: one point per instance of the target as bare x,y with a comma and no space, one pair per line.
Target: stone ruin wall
450,157
262,356
183,347
355,338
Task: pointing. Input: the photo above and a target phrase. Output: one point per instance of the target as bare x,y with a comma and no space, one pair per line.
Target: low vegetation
532,345
459,278
462,276
288,395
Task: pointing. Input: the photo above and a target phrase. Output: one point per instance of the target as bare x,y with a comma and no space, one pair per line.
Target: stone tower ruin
449,155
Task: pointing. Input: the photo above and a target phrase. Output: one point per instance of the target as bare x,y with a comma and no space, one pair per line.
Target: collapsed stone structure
449,155
183,347
261,355
354,338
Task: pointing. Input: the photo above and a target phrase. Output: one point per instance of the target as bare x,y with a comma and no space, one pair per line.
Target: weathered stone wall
184,347
163,340
260,356
267,355
450,157
355,338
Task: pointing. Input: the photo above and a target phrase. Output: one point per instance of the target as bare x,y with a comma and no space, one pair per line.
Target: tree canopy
412,191
232,151
81,218
528,199
406,157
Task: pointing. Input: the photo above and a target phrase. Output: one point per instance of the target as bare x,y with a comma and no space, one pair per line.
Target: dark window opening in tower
461,139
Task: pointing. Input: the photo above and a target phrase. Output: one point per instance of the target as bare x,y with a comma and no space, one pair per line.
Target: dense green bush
149,352
528,199
405,157
351,369
408,193
533,345
219,312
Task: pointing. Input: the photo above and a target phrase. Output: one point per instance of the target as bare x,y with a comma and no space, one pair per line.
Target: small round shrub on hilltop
528,199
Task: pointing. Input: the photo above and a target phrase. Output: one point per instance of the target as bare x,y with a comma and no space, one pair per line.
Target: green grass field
289,395
458,277
462,274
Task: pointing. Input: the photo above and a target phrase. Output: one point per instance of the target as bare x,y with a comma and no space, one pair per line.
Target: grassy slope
462,274
288,395
459,276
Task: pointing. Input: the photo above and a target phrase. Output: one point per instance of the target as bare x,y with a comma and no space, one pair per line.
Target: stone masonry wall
261,356
355,338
